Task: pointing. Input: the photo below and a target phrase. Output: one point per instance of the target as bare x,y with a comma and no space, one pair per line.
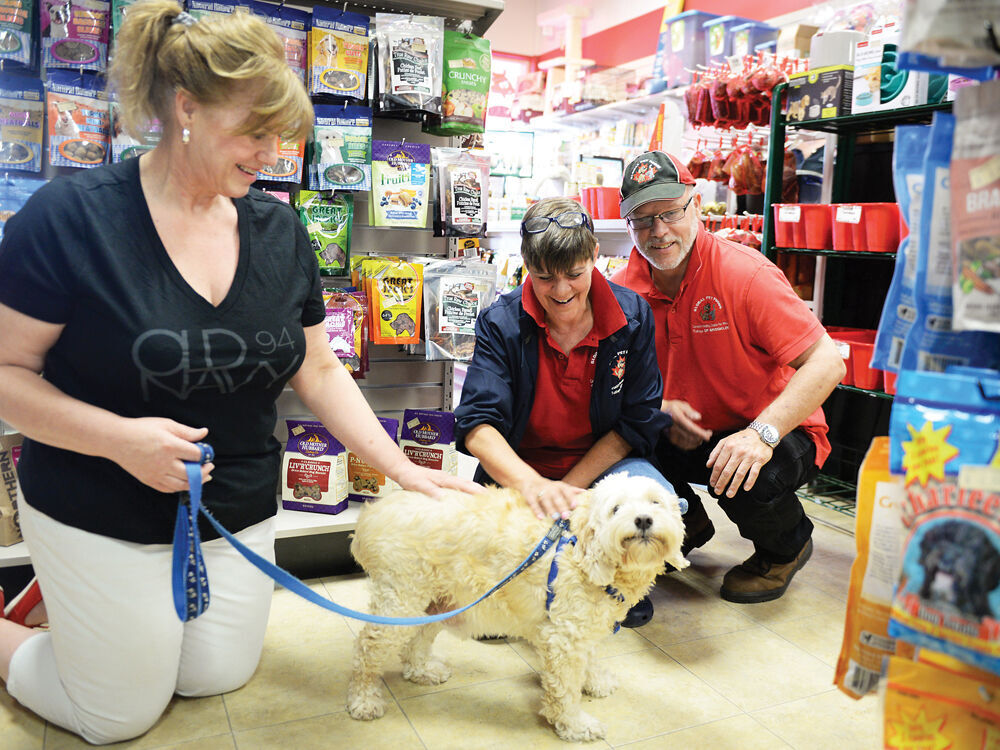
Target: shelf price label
790,214
849,214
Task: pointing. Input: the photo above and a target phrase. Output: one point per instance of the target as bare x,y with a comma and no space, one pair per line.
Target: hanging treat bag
364,481
338,53
900,307
15,189
292,25
314,469
975,208
328,219
400,184
75,34
22,113
347,330
463,180
878,535
932,343
288,167
409,50
79,119
395,293
123,145
466,81
341,148
948,596
455,292
119,10
208,8
945,35
16,24
428,439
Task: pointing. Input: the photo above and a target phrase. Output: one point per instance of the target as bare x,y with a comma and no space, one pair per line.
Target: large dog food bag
365,482
428,439
314,470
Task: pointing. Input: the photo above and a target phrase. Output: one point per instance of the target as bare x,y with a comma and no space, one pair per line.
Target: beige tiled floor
703,675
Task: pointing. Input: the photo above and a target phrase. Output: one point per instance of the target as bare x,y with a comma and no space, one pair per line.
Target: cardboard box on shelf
878,83
794,40
820,94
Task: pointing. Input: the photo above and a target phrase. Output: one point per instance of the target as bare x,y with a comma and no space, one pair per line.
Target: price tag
844,348
849,214
790,214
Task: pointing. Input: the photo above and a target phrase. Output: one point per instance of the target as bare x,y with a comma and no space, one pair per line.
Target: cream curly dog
427,555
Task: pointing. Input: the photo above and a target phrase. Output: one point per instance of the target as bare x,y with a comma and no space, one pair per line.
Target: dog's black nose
643,522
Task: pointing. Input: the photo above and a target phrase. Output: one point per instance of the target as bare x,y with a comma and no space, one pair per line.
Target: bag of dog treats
314,469
954,34
292,25
428,439
16,38
15,190
455,292
338,53
79,119
119,10
878,535
466,80
123,145
463,180
10,523
409,50
364,481
328,219
347,330
22,114
400,184
395,293
975,208
288,167
948,596
341,148
208,8
75,34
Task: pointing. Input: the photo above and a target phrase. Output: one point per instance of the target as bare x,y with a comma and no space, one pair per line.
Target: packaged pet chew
10,523
363,480
15,189
328,219
292,25
75,34
341,148
395,293
288,167
975,208
124,146
428,439
875,571
22,114
455,292
208,8
946,599
119,9
338,53
466,86
347,329
79,119
314,470
463,187
409,49
16,24
400,184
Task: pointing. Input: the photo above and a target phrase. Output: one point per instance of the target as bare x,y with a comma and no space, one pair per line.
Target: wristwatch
767,432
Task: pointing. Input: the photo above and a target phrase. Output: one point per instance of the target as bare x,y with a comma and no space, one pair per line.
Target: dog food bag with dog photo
942,426
409,50
338,53
428,439
878,535
364,481
455,292
341,148
400,184
328,219
314,470
16,42
79,118
22,115
466,81
10,523
292,25
395,292
975,208
75,34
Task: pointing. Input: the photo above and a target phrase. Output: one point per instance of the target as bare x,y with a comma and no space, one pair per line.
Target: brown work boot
756,580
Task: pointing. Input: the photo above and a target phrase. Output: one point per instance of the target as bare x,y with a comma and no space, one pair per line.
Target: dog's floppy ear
594,561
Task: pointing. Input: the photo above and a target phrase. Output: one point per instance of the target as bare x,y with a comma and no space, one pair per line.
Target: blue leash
190,581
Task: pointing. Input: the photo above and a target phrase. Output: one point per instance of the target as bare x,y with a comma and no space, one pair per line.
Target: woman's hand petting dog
432,482
549,499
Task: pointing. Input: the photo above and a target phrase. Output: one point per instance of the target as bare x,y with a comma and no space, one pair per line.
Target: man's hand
685,432
737,458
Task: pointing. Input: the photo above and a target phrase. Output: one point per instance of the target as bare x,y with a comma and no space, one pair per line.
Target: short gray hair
557,249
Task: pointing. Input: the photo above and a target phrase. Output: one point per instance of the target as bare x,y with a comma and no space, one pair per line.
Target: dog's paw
432,672
365,705
600,683
581,728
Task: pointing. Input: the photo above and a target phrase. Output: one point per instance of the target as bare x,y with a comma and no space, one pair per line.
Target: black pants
769,515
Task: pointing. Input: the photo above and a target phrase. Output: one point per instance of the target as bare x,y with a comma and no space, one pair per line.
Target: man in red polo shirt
746,366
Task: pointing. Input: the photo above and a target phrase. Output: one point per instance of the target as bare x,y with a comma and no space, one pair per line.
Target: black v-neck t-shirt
140,342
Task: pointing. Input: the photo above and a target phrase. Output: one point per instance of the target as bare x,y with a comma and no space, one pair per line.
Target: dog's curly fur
426,555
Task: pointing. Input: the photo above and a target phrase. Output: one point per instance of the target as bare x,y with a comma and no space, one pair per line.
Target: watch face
769,433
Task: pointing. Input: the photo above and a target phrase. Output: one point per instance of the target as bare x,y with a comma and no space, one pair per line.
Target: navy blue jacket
499,387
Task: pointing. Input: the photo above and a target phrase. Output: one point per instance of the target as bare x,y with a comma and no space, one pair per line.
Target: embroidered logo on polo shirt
618,372
708,316
644,171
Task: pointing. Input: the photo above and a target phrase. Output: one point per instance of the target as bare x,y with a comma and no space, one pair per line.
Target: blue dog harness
550,593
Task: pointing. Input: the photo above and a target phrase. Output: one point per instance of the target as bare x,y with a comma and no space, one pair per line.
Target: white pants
116,651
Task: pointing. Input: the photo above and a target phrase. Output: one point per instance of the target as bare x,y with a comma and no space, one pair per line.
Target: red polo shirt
559,431
724,343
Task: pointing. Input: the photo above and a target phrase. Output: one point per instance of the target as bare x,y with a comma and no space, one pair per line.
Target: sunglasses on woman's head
567,220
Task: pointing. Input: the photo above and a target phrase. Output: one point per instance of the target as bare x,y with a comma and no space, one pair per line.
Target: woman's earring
185,136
